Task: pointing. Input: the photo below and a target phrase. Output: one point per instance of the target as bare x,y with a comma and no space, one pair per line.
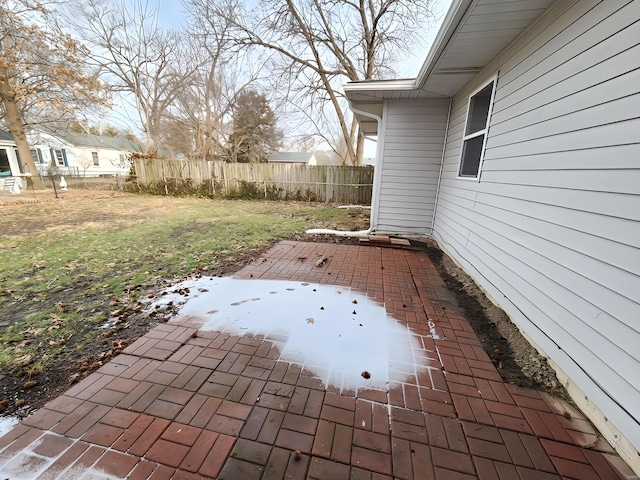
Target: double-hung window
36,153
475,131
59,157
96,160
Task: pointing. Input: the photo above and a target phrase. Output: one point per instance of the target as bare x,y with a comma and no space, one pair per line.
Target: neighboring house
517,148
296,158
81,154
10,165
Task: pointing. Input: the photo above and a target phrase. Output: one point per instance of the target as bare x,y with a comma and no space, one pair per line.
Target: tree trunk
15,124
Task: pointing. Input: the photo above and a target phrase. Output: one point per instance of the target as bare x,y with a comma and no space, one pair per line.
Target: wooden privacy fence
322,183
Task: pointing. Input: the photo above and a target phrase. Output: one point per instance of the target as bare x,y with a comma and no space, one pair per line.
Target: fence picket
340,184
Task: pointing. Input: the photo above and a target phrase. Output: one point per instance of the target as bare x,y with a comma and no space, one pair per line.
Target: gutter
379,85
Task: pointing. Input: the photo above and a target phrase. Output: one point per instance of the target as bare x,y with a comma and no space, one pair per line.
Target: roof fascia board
406,84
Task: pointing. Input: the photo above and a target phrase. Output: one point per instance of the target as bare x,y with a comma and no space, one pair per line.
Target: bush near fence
264,180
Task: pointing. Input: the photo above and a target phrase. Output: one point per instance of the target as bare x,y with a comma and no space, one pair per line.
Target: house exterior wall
108,159
414,132
79,158
10,148
552,228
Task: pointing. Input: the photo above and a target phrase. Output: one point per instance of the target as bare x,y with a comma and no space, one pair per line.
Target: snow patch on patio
331,330
7,423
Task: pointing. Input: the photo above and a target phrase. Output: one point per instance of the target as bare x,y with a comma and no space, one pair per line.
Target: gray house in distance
517,148
293,158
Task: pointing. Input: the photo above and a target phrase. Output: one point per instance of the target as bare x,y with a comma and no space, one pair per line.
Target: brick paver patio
181,403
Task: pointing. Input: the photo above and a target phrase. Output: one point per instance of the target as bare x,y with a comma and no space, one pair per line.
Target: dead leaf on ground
310,320
24,360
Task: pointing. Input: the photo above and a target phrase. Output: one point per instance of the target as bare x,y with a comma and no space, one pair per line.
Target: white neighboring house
517,148
293,158
10,166
79,154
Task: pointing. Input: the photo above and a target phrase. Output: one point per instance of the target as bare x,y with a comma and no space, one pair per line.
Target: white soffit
463,48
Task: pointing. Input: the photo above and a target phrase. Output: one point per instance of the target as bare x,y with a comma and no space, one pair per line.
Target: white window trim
484,131
59,160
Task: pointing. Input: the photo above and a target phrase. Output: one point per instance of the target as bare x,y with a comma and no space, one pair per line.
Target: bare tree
42,72
85,163
316,45
202,108
135,56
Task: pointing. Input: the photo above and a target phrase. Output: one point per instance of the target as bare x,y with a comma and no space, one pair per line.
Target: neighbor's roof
290,157
472,34
6,136
97,141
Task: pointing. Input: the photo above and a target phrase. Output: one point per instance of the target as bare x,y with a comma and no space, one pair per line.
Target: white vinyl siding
414,133
552,228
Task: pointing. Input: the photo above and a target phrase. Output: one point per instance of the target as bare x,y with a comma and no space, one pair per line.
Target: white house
296,158
81,154
10,166
517,148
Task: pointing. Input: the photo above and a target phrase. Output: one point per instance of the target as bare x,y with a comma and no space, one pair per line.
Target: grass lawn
68,266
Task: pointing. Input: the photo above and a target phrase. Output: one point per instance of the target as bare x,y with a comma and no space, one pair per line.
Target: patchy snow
333,331
7,423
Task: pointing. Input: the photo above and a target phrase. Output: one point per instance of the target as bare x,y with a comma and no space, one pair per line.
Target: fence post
164,180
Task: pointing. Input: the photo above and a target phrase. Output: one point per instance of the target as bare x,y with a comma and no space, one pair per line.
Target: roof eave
376,85
449,25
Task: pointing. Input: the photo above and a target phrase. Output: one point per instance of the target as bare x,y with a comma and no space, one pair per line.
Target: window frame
36,153
6,154
59,158
95,158
484,131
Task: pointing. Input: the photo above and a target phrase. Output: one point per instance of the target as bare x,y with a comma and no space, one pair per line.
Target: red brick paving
184,404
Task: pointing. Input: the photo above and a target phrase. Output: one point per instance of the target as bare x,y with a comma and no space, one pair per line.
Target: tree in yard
316,45
79,126
135,57
255,134
85,163
201,112
42,69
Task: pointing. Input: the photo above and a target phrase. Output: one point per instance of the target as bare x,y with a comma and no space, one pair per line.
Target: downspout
444,148
376,173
